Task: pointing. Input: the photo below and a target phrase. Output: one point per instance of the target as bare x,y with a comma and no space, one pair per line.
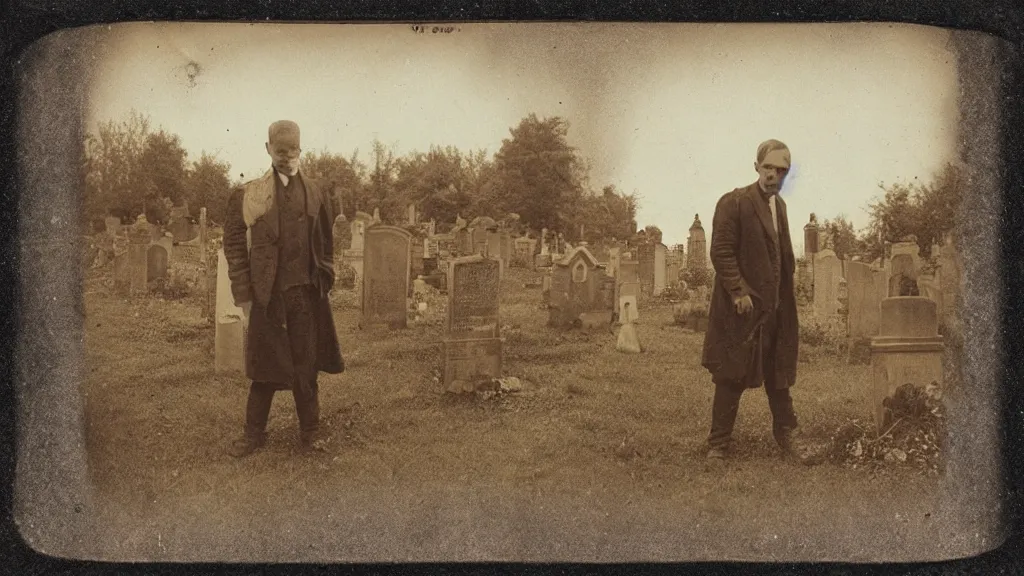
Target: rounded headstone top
909,317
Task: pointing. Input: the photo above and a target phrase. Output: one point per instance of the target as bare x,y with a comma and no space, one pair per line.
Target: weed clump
912,435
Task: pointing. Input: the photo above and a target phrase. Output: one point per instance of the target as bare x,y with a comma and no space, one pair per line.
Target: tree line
926,211
129,169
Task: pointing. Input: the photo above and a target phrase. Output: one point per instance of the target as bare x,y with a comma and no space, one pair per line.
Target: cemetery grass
598,444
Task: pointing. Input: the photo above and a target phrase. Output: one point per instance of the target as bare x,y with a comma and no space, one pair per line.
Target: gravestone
342,235
907,350
464,242
139,239
866,287
827,272
122,278
156,262
672,269
645,259
479,240
505,248
614,257
353,256
903,276
229,330
385,283
523,250
113,225
472,351
493,239
660,279
627,286
811,237
415,261
581,293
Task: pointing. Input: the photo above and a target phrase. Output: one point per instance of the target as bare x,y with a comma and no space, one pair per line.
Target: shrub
826,334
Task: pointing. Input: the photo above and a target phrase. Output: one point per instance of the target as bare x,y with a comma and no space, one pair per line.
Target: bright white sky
673,112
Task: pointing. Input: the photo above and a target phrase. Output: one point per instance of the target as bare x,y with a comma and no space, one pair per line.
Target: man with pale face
278,241
752,335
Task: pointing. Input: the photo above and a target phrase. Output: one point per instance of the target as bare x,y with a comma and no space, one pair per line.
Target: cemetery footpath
595,455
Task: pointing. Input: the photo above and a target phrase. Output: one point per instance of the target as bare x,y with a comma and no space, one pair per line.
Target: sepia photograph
510,292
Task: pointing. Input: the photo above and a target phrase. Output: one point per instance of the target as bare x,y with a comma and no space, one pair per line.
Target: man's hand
743,304
246,309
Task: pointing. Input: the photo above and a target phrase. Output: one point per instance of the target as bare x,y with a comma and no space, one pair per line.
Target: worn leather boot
246,445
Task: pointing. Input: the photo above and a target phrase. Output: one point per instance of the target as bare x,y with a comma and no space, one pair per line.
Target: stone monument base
896,361
468,362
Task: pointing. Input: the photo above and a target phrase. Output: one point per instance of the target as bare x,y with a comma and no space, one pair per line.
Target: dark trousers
297,306
727,397
261,396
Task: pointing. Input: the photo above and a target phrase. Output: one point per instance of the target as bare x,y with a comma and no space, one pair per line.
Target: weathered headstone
614,257
908,350
113,225
229,329
472,350
696,246
139,239
156,262
342,235
660,277
903,276
505,248
415,261
464,242
866,287
385,277
627,286
581,293
122,278
523,252
645,259
811,237
827,272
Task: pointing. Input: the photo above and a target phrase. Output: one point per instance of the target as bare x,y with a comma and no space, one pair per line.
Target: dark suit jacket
251,234
750,258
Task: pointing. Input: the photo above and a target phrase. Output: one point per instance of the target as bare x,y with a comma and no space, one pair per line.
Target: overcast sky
672,112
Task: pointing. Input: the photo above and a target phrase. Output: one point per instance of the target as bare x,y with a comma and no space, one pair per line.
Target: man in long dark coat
279,245
752,335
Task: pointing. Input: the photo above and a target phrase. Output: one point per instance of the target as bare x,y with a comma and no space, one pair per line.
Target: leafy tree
344,177
162,173
839,236
208,186
111,166
927,211
538,175
608,215
653,233
382,191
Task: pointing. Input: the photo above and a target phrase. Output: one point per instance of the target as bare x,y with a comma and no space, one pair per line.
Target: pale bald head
283,146
284,131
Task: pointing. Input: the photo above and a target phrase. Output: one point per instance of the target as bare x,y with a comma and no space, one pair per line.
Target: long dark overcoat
744,249
251,236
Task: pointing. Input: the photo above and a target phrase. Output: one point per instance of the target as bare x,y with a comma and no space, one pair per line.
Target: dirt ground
599,458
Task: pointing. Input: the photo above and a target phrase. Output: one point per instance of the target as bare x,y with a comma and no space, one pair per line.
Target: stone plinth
908,349
229,331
